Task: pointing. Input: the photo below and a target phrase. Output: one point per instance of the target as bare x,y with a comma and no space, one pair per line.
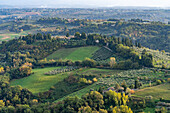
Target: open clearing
74,54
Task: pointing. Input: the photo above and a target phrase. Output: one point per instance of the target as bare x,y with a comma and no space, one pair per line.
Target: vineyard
61,70
102,54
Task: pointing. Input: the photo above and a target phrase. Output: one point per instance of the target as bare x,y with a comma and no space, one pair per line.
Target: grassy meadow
73,54
38,81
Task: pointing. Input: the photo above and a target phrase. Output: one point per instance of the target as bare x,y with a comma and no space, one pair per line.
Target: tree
77,35
1,70
122,109
94,79
112,62
2,103
74,103
11,109
137,84
103,111
67,35
89,62
158,82
163,66
124,85
139,45
114,99
86,109
83,35
117,86
94,100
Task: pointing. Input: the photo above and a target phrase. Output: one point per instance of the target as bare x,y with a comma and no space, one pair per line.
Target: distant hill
6,6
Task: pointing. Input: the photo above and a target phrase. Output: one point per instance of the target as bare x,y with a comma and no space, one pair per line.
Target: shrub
163,66
94,79
89,82
158,82
168,80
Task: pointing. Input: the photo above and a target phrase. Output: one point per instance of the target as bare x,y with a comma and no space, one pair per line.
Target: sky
81,3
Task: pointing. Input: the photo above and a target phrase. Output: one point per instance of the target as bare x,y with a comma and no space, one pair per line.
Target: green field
74,53
157,92
8,36
38,82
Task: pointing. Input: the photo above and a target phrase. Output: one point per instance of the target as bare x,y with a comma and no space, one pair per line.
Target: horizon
85,3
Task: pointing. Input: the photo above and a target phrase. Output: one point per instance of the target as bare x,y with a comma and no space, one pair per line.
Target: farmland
84,59
38,81
117,76
9,36
73,54
157,92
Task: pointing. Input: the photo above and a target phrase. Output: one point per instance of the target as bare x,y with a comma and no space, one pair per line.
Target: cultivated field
39,82
73,54
157,92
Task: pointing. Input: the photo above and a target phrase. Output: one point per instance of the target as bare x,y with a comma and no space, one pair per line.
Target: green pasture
38,82
73,54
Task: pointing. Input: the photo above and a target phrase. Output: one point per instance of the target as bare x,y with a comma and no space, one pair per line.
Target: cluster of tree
146,33
138,20
20,72
17,59
93,102
27,27
51,20
11,96
38,46
19,51
15,28
73,22
133,58
32,38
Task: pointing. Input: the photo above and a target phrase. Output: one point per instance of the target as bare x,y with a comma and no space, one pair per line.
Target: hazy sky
97,3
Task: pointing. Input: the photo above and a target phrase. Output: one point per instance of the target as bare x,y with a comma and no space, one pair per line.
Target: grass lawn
38,82
156,91
74,54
